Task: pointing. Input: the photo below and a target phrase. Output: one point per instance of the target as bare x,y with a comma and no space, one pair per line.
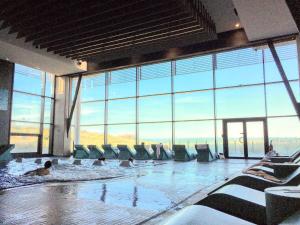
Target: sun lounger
279,169
110,152
202,215
260,183
81,152
281,159
182,154
239,201
95,152
143,152
126,152
5,153
204,153
165,153
292,220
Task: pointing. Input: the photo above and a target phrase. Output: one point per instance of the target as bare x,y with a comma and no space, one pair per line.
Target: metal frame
173,93
41,122
69,119
284,78
244,122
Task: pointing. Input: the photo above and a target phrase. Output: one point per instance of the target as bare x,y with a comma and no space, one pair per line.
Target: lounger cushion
239,201
202,215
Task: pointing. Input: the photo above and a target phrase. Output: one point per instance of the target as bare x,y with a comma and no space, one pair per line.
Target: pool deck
148,196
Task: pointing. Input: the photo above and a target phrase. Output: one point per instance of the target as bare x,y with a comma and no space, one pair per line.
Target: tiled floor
140,198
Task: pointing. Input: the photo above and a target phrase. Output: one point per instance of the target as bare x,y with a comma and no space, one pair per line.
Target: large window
185,101
31,122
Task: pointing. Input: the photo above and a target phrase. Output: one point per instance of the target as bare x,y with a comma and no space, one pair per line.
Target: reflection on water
135,197
103,193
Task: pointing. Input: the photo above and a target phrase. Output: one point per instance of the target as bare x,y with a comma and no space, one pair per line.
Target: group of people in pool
46,169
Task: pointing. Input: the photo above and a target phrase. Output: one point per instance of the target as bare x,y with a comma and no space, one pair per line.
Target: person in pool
40,171
127,163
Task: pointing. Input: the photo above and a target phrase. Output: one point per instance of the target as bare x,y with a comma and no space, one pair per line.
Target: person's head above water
47,164
101,159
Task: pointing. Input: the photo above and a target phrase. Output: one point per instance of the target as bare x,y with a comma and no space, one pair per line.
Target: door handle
241,139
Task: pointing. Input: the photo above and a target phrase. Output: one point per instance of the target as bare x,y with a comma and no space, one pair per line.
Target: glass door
236,139
245,138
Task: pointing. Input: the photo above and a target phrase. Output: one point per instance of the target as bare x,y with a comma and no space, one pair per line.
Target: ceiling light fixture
237,25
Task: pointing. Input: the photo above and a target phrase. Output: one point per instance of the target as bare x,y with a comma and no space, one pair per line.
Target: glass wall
185,101
31,121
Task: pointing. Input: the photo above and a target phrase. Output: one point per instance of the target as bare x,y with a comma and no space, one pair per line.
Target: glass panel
278,100
25,128
122,83
48,110
155,108
121,134
49,89
93,87
24,144
46,138
240,102
92,135
191,133
155,86
28,79
284,132
154,133
239,67
235,139
121,111
155,79
194,74
26,107
92,113
219,136
255,139
287,52
196,105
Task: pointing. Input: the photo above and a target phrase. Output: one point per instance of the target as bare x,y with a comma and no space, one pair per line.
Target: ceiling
81,29
55,35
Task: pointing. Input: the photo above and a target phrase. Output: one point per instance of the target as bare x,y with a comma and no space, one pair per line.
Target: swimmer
40,171
99,162
128,163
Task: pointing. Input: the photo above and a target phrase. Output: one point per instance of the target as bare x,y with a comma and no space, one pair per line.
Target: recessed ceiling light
7,58
237,25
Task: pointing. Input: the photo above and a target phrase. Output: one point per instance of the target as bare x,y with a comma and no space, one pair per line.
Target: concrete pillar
62,142
6,88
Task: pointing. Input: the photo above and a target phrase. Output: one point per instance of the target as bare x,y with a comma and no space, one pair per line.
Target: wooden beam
111,29
136,35
79,19
60,17
171,34
42,13
97,24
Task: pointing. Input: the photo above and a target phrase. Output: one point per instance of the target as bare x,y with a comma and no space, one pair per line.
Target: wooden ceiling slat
55,19
122,15
134,39
10,7
116,28
175,34
58,9
78,20
145,31
81,29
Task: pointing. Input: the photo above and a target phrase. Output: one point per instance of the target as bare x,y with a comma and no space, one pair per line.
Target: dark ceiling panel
294,6
81,29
